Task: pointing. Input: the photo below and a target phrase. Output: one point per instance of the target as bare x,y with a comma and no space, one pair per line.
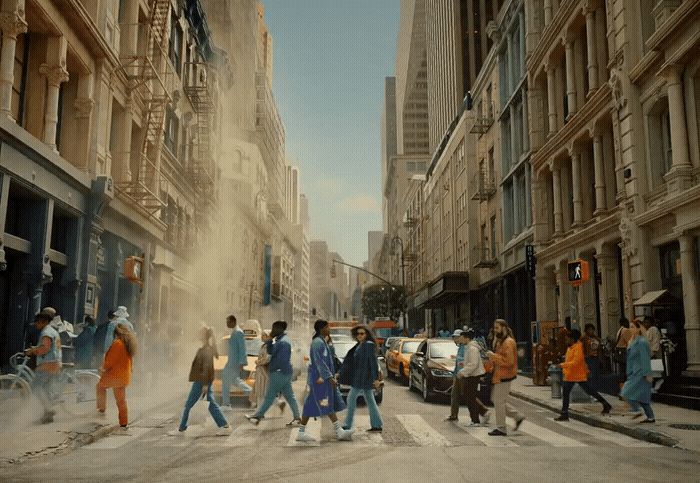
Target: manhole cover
689,427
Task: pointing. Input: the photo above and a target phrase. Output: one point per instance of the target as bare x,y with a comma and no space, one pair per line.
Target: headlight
440,373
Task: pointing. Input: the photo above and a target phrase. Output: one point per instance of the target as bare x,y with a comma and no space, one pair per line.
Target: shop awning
656,298
446,289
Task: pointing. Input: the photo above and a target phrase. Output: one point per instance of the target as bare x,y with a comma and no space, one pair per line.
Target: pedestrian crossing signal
578,272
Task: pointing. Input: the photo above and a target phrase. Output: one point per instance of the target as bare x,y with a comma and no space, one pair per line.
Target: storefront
446,300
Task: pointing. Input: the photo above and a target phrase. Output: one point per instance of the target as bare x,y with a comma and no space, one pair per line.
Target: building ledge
576,240
669,205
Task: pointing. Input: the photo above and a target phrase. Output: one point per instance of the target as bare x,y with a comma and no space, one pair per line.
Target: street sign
578,272
530,259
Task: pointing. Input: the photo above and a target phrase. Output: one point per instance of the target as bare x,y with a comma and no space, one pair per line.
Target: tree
383,301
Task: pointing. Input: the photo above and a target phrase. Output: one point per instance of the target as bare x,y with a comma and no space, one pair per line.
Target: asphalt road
416,445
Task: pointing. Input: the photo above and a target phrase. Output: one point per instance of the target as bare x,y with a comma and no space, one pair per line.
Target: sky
330,58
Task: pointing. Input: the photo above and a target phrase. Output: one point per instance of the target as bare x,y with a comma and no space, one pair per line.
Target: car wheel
426,393
410,381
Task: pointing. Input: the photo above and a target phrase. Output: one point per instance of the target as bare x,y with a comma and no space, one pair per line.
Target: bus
382,329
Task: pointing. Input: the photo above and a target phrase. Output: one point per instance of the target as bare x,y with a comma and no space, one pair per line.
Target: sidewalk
660,433
23,437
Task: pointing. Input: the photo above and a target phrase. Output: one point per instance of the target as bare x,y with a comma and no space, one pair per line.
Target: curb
637,433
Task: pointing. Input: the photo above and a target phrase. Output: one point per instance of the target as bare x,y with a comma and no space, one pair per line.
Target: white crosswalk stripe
481,433
274,434
421,432
605,435
547,435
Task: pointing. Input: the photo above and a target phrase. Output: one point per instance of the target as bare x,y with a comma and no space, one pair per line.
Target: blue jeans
231,375
374,417
279,383
593,364
645,406
195,394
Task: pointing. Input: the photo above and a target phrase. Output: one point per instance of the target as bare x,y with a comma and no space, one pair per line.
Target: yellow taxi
253,341
398,356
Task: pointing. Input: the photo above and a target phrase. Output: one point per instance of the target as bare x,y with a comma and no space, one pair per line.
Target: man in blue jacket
237,360
280,367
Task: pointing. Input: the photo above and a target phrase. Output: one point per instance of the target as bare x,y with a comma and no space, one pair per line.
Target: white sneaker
122,431
472,424
304,437
176,432
486,418
344,434
223,431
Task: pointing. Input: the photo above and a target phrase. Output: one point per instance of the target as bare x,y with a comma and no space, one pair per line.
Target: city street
416,445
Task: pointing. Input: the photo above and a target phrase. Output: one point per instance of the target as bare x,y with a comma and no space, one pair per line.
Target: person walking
201,377
592,350
637,388
323,397
115,373
98,340
467,374
280,367
235,364
361,369
576,372
262,375
121,317
48,363
84,344
653,335
505,359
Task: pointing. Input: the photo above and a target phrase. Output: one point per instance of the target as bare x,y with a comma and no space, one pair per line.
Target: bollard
555,378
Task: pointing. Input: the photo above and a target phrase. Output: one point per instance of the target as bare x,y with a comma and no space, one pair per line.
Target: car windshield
409,347
383,333
443,350
342,348
252,346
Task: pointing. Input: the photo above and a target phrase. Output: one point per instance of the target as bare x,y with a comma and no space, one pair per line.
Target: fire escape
201,167
150,82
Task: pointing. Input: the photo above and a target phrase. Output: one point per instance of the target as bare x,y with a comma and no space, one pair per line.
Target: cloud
361,203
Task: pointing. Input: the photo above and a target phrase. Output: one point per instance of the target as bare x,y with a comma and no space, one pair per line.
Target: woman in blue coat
323,397
361,369
637,388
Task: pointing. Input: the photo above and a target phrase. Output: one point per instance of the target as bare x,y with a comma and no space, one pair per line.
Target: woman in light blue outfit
637,388
235,364
360,369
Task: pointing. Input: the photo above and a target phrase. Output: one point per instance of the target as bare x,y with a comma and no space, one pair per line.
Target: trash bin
555,377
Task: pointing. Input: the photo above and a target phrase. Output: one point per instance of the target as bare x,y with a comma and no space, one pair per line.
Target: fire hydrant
555,378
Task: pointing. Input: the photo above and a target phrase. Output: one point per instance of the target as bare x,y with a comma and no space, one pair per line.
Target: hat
456,333
469,333
121,312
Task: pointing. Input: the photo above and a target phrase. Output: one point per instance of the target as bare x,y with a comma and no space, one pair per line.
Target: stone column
691,287
570,75
528,195
558,214
514,154
510,71
547,12
598,166
526,122
517,222
55,71
680,175
591,50
12,24
84,105
609,299
552,99
576,187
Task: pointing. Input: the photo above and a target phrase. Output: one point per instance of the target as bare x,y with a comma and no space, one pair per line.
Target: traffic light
578,272
333,270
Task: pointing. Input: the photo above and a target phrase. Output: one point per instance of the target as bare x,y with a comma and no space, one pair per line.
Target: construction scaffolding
151,83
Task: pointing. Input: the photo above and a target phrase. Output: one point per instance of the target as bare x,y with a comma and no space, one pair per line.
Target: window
493,236
172,128
659,143
20,82
175,43
492,168
667,152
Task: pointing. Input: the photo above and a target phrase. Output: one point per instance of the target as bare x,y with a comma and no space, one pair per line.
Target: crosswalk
399,430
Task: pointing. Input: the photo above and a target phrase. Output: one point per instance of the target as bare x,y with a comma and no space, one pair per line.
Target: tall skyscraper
388,135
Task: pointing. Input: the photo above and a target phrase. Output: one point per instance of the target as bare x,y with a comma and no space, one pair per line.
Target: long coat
637,388
322,399
360,367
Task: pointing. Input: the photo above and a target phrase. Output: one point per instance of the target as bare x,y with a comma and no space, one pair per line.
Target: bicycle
73,389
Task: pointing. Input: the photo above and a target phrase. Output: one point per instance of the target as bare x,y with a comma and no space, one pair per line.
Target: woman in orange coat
116,372
576,372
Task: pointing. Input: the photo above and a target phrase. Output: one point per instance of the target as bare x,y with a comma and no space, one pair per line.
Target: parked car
387,343
342,347
431,366
398,357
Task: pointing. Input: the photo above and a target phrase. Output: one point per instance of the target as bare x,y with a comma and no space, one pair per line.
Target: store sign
530,259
